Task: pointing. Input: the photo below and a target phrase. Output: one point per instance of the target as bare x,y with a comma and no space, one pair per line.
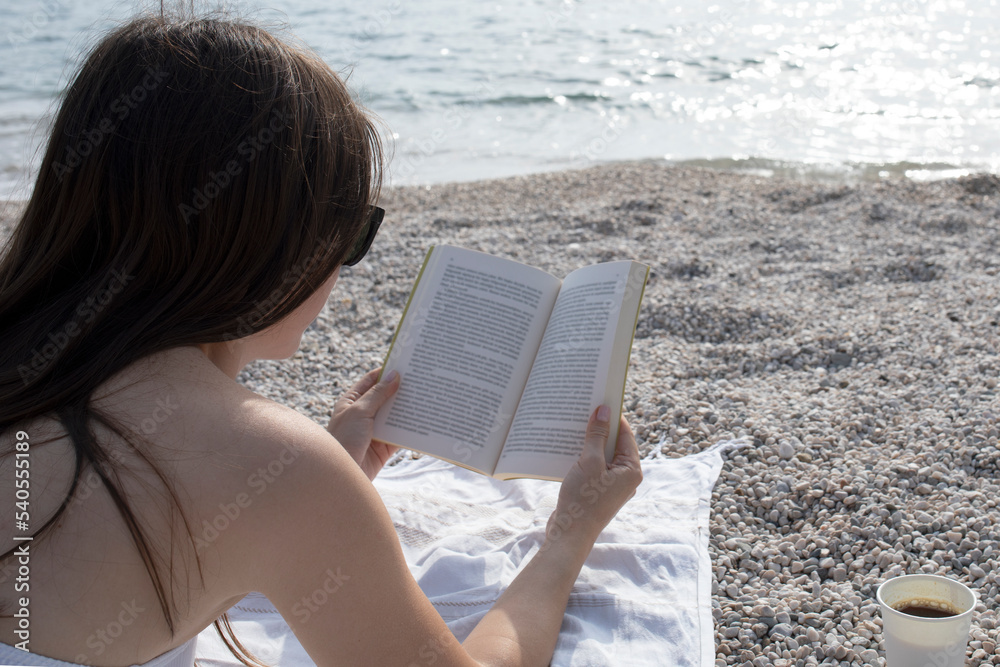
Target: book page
464,350
572,371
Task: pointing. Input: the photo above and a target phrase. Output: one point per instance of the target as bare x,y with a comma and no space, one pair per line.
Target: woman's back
217,443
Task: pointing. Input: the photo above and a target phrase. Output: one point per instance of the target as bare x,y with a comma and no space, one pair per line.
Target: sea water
468,90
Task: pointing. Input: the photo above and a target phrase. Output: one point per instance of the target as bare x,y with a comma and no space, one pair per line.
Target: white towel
643,597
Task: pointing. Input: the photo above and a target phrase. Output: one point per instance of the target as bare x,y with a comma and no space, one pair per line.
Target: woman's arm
326,554
523,625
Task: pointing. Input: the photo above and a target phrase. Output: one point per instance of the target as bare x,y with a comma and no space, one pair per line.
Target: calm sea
478,89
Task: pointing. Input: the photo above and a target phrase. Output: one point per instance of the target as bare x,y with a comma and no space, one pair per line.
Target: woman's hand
593,491
353,419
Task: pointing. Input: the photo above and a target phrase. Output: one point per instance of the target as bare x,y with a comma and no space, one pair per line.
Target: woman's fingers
364,384
361,392
376,393
626,461
598,430
626,449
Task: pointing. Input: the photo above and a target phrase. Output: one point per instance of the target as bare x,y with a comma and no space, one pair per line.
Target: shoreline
851,330
844,172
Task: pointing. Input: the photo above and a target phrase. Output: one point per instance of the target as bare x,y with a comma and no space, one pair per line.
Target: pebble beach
849,330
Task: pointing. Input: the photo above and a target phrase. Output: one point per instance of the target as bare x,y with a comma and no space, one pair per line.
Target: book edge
406,309
628,358
444,458
509,475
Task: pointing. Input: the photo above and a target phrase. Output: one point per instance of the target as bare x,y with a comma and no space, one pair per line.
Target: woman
203,185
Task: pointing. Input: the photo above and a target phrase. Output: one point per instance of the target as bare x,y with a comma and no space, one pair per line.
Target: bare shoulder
240,464
221,442
191,414
253,471
294,517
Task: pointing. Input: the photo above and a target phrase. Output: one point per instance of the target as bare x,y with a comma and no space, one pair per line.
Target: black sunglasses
364,241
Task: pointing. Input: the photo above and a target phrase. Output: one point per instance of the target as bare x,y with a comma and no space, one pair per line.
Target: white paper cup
914,641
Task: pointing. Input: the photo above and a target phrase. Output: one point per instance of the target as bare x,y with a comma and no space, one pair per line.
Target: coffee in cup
926,620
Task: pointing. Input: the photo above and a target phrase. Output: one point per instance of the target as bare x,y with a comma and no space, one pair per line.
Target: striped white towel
643,597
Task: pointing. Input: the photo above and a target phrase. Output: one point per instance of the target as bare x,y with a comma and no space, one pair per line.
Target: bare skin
277,504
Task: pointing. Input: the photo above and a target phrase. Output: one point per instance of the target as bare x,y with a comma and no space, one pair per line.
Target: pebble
781,630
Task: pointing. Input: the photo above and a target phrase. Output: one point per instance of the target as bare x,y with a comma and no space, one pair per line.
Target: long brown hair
201,180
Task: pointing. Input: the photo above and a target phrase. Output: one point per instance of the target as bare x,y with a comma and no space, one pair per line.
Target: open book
502,363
